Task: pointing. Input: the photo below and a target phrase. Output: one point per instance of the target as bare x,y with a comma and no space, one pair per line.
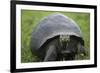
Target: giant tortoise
56,38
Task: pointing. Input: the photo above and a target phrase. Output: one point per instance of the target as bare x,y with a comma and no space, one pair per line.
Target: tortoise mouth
67,55
65,52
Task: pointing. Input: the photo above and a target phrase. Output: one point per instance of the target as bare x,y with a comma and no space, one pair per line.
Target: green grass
29,20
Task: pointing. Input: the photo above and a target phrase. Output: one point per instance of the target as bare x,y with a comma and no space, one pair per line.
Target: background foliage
29,20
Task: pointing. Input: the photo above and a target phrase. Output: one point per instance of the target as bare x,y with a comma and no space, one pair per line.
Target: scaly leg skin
51,54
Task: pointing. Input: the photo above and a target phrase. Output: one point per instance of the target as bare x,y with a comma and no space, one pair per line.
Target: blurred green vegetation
29,20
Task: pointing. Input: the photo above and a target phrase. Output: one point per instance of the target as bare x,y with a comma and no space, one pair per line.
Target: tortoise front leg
51,53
